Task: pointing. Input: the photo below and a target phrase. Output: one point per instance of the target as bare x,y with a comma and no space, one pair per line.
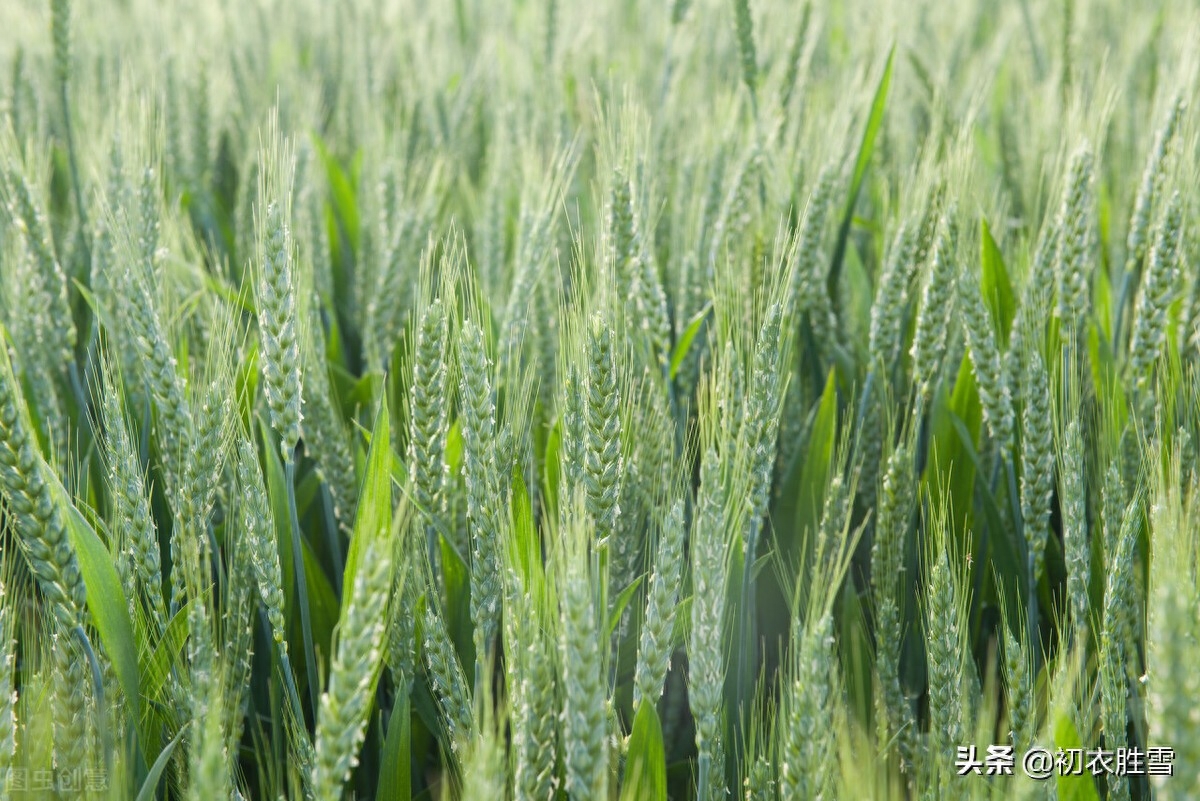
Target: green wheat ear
27,484
1037,460
353,672
744,27
584,696
8,665
1076,241
707,668
602,442
1160,287
985,357
276,291
482,474
654,652
935,310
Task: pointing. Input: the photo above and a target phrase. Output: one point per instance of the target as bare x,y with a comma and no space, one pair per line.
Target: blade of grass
395,775
150,785
646,765
865,151
374,515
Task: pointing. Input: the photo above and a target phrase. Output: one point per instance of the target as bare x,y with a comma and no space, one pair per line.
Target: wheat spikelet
654,651
890,297
1073,499
259,531
1019,693
1076,242
1173,631
401,643
935,311
1153,175
981,341
427,411
535,708
705,651
132,514
943,638
27,484
1037,461
809,768
760,427
584,699
446,677
8,684
70,696
744,27
327,438
276,294
1160,285
346,703
58,330
602,463
483,484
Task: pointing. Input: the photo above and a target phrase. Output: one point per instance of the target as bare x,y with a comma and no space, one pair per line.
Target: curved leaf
646,767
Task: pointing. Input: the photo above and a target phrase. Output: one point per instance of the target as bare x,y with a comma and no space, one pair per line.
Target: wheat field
698,399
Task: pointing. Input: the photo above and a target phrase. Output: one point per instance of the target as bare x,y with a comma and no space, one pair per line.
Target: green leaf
322,600
106,600
551,469
374,515
456,581
1072,787
1106,378
341,190
997,288
685,339
245,384
156,669
865,151
1002,551
646,764
527,546
1102,303
857,655
814,476
949,473
150,785
619,606
395,774
454,448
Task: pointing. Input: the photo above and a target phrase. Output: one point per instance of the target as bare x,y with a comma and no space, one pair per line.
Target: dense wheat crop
633,400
